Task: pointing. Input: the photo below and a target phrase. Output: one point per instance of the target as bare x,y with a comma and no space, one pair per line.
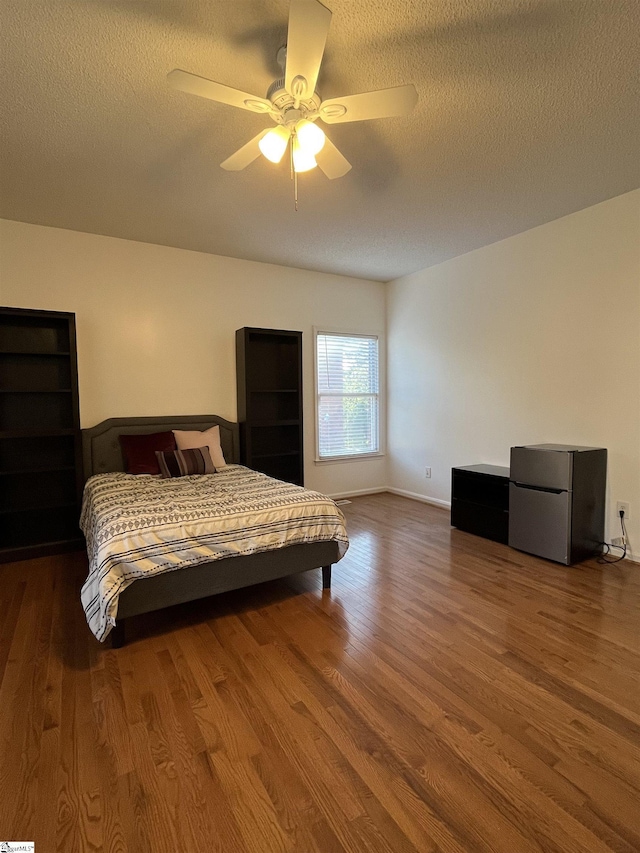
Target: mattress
140,526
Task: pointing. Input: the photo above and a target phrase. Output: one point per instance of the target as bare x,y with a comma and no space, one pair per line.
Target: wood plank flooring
447,694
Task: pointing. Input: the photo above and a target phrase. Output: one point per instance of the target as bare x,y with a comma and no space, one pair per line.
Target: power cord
603,556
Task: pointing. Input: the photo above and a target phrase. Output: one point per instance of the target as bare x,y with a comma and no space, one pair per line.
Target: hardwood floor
447,694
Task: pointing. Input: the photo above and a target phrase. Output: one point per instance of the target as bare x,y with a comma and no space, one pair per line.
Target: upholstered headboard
101,448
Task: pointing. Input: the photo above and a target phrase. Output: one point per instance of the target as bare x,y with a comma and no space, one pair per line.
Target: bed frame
102,453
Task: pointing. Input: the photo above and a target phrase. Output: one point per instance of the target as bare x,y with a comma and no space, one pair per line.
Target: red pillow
140,451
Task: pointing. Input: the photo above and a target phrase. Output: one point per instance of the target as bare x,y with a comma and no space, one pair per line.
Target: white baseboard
632,558
354,494
423,498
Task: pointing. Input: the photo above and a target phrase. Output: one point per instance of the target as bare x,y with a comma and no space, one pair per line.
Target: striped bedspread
138,526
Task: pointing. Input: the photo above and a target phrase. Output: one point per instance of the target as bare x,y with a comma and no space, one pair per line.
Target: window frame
353,457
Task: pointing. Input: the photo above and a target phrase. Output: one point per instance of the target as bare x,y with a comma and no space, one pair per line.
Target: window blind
348,394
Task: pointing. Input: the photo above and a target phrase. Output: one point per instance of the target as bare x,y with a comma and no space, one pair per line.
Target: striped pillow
182,463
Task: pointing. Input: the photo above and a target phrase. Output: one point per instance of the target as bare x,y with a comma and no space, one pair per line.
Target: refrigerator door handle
538,488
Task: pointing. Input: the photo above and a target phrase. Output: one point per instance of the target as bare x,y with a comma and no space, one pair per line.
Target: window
348,402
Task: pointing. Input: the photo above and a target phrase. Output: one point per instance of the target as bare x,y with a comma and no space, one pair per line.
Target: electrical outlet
618,541
427,472
623,506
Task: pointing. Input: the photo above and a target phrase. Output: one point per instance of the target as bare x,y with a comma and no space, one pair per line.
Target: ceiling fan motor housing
284,104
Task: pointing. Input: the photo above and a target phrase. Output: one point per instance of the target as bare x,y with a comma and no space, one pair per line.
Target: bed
103,455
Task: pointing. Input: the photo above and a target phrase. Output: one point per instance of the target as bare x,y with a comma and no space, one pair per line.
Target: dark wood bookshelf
40,446
269,382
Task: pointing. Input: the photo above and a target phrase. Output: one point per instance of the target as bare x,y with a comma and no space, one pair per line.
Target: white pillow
188,439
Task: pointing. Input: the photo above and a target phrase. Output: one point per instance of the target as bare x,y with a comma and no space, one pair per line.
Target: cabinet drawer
481,520
481,489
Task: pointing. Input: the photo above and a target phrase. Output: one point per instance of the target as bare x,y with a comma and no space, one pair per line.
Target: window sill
361,457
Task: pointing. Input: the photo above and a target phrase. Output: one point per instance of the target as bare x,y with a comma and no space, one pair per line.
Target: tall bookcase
40,446
269,379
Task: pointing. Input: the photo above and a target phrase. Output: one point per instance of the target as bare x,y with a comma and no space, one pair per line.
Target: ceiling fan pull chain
291,155
294,174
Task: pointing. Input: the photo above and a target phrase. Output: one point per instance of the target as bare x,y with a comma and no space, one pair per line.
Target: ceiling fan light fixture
294,104
303,160
310,137
274,144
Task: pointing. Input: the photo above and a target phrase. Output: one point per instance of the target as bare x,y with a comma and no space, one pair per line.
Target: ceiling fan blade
245,155
331,161
309,24
398,101
195,85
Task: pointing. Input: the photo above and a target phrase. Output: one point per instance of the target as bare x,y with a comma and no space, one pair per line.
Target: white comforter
138,526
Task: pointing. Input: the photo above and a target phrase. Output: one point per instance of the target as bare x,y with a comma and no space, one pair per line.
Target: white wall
532,339
156,325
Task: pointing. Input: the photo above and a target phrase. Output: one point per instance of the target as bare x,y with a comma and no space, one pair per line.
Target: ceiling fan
293,103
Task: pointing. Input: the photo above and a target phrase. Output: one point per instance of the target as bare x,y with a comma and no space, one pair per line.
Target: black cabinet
480,500
40,447
269,382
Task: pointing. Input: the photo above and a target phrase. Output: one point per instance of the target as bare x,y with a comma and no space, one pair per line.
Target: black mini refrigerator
557,501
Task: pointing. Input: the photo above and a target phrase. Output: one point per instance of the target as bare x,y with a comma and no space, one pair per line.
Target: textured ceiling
528,110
